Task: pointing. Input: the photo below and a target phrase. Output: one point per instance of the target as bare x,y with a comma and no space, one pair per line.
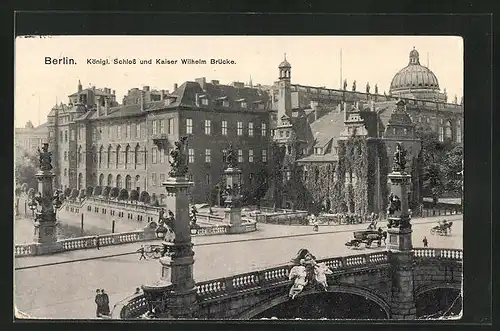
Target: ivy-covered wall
330,185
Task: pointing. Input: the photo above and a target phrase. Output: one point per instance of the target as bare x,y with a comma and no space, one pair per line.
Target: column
232,212
399,242
174,294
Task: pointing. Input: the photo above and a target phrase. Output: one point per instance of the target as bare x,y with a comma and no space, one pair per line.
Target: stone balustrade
24,250
213,290
287,217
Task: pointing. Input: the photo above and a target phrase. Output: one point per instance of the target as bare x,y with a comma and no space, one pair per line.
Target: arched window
94,179
127,152
128,182
137,183
458,130
94,154
137,152
441,133
110,180
79,154
101,152
80,181
119,183
131,156
447,130
101,179
109,156
118,158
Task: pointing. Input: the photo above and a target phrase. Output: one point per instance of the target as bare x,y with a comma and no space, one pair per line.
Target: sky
315,61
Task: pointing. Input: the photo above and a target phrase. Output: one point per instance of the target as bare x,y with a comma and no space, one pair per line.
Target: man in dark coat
99,302
105,303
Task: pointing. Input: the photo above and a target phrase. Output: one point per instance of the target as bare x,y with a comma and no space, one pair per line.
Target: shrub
144,197
97,191
105,191
114,192
67,192
134,195
90,191
123,195
74,193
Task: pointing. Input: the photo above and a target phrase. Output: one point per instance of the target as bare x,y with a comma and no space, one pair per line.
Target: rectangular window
153,179
155,129
281,134
225,103
189,126
79,133
287,133
138,130
208,156
224,128
224,152
264,155
162,126
264,129
250,129
162,156
244,105
191,155
208,125
240,128
250,155
73,135
65,156
119,132
162,178
129,130
207,179
154,155
240,156
170,126
204,102
66,136
61,136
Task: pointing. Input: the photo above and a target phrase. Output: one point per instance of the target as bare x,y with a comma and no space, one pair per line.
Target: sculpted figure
345,84
231,158
399,158
354,86
376,89
179,160
367,87
45,157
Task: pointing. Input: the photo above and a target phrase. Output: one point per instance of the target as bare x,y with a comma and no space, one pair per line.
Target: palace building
335,147
319,145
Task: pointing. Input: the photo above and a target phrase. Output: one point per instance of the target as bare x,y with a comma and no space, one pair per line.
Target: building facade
29,138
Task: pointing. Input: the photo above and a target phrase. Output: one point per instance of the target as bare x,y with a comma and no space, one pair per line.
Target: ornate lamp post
232,193
45,218
174,295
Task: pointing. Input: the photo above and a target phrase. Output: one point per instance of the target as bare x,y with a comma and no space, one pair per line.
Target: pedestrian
99,303
425,242
141,250
105,303
97,242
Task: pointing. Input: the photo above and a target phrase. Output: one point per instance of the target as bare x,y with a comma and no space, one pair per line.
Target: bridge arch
337,288
456,285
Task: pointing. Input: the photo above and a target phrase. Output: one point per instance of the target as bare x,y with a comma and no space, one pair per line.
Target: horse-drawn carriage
443,228
367,237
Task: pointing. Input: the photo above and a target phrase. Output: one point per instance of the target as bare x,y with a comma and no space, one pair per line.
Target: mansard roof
327,127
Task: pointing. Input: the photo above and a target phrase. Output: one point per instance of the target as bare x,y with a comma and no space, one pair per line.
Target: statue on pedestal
179,159
394,205
354,86
345,84
368,87
399,160
376,89
45,157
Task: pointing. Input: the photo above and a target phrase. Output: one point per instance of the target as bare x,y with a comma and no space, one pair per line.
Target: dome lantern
414,57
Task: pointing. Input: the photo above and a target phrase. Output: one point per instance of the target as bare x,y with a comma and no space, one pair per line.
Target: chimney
175,86
98,109
146,88
106,106
142,101
114,92
202,81
215,82
162,95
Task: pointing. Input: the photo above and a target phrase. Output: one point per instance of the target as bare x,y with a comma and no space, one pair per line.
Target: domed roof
414,76
284,64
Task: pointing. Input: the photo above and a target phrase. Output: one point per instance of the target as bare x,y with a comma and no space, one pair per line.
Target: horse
320,272
299,274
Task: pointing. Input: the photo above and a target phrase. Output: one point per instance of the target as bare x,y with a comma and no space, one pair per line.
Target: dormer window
225,103
243,103
318,151
204,102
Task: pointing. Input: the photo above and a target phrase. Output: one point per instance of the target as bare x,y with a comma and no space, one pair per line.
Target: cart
367,237
442,229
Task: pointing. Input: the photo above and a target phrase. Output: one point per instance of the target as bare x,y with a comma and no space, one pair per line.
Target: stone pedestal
174,295
232,216
399,227
232,212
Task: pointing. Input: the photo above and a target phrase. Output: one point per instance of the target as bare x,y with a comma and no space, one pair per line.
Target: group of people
344,218
102,302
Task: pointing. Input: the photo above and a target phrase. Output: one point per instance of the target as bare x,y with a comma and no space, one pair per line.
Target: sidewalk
264,232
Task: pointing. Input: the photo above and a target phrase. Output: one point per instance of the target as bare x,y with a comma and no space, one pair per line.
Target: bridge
370,276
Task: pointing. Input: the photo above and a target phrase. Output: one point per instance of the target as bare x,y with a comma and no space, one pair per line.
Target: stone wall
291,218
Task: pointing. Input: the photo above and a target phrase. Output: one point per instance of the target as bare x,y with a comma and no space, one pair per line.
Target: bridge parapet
217,290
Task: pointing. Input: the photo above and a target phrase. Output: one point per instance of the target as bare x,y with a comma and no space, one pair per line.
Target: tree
74,193
123,195
97,190
24,188
17,191
154,200
114,192
90,191
105,192
26,166
31,192
144,197
82,193
67,192
134,195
